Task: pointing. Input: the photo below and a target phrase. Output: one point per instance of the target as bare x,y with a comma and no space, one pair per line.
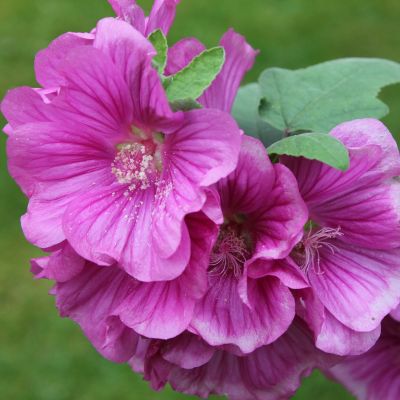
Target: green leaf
193,80
159,41
320,97
184,105
314,146
245,112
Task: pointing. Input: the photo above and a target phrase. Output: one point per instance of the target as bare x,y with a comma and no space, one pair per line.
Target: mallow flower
374,375
254,215
113,179
106,163
260,217
351,246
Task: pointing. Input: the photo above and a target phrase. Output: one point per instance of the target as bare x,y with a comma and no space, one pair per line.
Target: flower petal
358,286
48,61
362,133
396,313
52,164
269,199
368,217
182,53
124,44
109,224
63,265
221,317
248,187
319,182
376,374
336,338
187,351
90,299
24,105
130,12
212,206
374,157
163,310
331,336
239,58
278,224
96,97
48,153
159,310
132,54
137,362
285,270
162,16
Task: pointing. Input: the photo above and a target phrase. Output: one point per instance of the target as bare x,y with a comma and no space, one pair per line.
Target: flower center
231,250
136,165
307,252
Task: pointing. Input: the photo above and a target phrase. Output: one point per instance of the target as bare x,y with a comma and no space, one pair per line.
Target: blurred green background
44,357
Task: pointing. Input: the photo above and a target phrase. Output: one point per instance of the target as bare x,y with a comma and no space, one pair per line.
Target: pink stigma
306,252
229,253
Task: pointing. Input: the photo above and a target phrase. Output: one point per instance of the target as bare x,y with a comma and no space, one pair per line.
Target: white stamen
307,251
133,166
229,254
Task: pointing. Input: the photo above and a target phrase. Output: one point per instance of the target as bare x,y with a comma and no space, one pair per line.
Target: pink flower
107,164
261,217
169,235
351,247
374,375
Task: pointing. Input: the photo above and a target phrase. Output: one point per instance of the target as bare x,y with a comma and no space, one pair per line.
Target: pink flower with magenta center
106,163
260,217
351,245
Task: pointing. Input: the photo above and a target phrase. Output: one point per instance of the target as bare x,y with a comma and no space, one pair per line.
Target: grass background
44,357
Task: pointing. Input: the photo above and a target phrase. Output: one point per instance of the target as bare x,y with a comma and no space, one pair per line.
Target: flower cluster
174,241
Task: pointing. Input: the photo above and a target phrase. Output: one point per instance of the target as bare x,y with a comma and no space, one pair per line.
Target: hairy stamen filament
307,252
229,254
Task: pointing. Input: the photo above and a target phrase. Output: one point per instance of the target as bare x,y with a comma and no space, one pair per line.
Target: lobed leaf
322,96
245,112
